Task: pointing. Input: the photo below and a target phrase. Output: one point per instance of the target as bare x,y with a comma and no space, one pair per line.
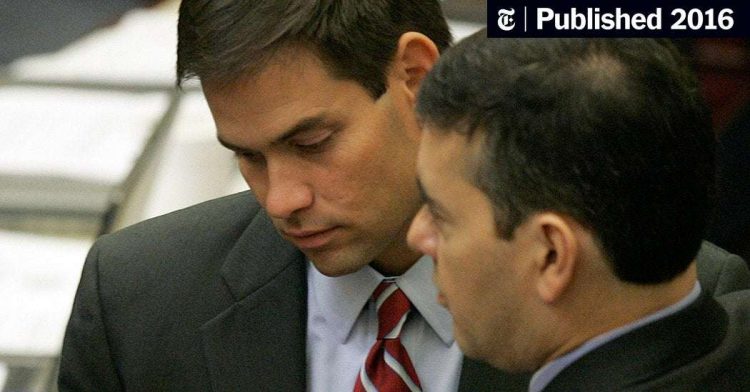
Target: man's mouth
310,238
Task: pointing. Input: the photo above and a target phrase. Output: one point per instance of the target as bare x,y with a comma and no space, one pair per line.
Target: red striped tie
387,367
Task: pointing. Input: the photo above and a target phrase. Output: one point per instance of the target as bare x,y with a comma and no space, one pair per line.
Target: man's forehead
446,157
268,106
433,160
446,147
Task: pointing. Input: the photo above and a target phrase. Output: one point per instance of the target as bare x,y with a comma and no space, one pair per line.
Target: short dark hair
611,132
223,40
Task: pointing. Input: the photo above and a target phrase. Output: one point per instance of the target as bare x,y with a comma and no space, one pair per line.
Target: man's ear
559,254
415,56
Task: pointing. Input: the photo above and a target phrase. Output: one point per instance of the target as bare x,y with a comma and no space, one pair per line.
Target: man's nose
288,190
421,235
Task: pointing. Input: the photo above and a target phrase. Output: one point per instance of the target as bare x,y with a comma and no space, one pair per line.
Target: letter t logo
505,19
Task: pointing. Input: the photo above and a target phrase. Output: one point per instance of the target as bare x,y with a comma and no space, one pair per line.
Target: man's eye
314,143
432,218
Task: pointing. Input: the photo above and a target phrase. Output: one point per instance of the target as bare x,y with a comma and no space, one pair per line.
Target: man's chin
333,264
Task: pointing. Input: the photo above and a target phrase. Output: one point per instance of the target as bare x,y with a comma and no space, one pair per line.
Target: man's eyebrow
304,125
231,146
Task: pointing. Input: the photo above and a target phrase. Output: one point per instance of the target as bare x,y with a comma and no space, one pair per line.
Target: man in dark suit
271,291
567,187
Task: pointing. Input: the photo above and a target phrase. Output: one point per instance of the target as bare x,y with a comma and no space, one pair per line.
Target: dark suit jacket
730,226
211,298
705,347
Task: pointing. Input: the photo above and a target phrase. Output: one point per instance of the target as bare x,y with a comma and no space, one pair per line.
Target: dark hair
611,132
223,40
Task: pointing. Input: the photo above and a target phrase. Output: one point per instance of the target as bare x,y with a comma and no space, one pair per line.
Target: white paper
461,29
38,279
194,167
86,135
193,121
140,49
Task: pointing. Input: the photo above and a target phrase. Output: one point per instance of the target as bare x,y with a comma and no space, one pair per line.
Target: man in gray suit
270,290
567,187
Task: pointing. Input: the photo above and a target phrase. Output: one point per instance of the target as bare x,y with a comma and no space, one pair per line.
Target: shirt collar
417,284
342,298
548,372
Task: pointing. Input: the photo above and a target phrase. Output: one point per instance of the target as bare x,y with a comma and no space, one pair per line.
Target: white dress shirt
548,372
342,326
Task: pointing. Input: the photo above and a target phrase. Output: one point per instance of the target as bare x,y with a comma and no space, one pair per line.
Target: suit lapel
259,342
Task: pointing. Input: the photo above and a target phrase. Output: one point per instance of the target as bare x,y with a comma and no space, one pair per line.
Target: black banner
590,18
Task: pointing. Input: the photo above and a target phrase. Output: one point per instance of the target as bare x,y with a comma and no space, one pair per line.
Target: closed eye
313,143
435,217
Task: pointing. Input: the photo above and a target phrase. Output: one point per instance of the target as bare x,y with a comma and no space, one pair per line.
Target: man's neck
396,259
620,304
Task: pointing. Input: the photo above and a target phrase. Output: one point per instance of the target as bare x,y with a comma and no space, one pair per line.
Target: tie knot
393,307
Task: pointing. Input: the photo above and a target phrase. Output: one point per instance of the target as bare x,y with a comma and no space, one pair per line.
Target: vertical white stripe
366,380
396,366
384,295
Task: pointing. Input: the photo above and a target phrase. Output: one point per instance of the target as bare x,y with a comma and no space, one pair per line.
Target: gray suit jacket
211,298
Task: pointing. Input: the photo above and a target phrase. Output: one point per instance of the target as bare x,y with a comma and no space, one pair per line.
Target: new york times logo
616,18
505,19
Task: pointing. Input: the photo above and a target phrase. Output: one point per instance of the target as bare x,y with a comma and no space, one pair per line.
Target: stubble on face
363,187
384,201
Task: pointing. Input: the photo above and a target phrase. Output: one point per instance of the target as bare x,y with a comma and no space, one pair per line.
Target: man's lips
310,239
